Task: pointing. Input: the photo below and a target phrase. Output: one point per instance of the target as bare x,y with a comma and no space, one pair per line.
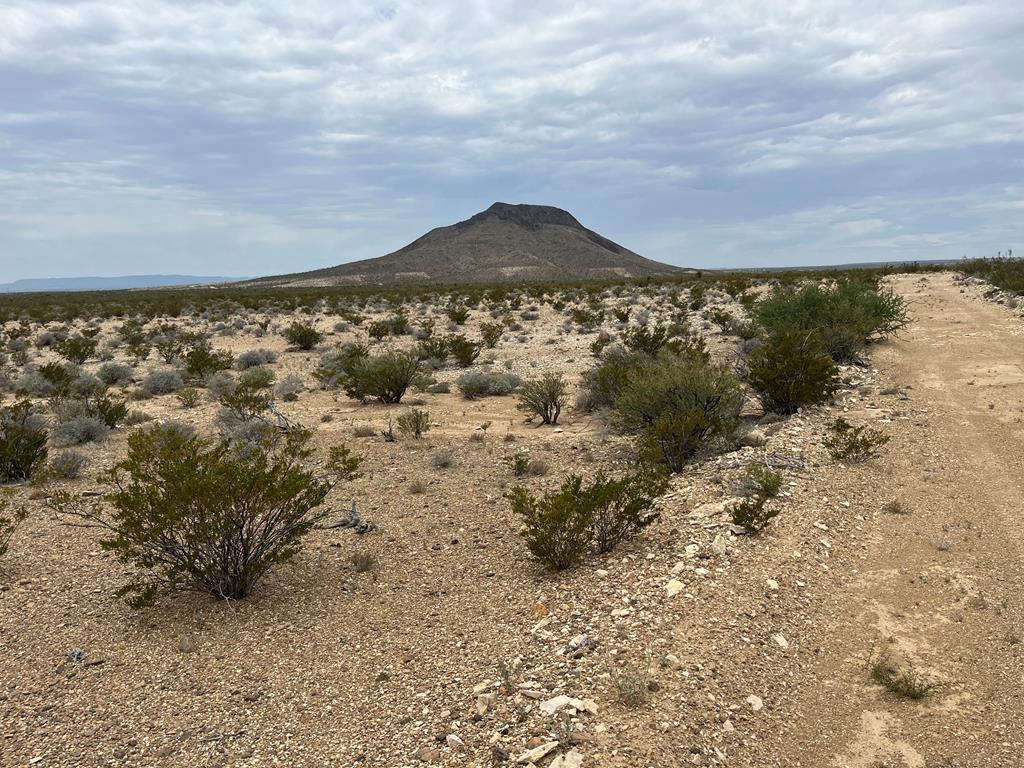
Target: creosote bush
760,485
560,528
162,382
678,405
851,444
23,439
544,397
190,514
792,371
302,335
385,377
476,384
67,465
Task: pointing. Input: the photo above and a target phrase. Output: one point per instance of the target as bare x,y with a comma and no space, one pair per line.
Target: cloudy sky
253,138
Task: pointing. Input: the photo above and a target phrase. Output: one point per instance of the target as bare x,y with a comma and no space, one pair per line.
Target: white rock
484,702
773,585
781,641
692,550
674,587
453,741
719,546
535,754
755,702
551,706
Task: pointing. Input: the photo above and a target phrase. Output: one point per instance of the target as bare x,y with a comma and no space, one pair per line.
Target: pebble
674,587
755,702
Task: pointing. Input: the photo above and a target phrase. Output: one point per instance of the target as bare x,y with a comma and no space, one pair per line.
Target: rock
186,643
755,702
755,438
692,550
551,706
673,662
772,584
453,741
781,641
719,546
728,727
674,587
571,759
711,509
427,755
484,702
537,753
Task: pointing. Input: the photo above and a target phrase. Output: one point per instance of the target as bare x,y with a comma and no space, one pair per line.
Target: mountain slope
502,244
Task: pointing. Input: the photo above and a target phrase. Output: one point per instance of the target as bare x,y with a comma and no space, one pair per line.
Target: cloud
320,132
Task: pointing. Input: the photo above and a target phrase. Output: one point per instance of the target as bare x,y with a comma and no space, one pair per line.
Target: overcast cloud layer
250,138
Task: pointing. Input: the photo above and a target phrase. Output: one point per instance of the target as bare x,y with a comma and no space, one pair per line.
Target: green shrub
463,350
220,384
79,430
378,329
491,333
385,377
851,444
60,377
457,313
415,422
905,683
847,315
475,384
648,339
190,514
432,349
77,349
759,486
302,336
792,371
289,387
602,385
23,439
245,403
337,365
558,527
9,521
201,361
561,527
544,397
678,405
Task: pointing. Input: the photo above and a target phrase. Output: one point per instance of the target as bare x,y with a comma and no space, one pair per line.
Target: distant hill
505,243
44,284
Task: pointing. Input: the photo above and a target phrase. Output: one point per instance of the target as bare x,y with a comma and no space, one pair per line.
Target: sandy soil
450,650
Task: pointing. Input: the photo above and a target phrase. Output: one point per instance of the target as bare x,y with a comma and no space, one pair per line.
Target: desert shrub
202,361
904,682
851,444
561,527
678,405
335,366
195,515
76,349
544,397
758,486
254,358
463,350
10,519
444,459
162,382
623,507
457,313
23,439
34,384
79,430
86,385
115,374
415,422
791,371
432,349
602,384
66,465
378,329
648,339
474,384
112,411
847,315
256,378
491,334
302,335
246,402
289,387
188,397
220,384
385,377
558,528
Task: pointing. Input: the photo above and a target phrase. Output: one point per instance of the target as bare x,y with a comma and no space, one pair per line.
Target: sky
249,138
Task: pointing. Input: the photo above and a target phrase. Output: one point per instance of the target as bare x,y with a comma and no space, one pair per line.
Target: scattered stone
719,546
781,641
571,759
187,643
537,753
427,755
454,741
755,702
755,438
674,587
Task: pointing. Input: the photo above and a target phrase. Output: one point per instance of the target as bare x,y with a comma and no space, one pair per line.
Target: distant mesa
505,243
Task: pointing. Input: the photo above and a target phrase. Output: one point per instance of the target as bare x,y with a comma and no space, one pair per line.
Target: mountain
505,243
45,284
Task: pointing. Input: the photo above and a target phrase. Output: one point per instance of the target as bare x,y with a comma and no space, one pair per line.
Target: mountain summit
505,243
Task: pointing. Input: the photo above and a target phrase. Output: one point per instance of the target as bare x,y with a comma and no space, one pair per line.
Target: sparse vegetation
10,519
792,371
544,397
303,336
904,682
851,444
23,438
414,422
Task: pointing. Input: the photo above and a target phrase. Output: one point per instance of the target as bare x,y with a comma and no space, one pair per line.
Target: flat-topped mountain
502,244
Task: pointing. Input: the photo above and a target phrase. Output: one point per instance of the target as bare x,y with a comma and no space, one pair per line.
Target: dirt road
941,586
